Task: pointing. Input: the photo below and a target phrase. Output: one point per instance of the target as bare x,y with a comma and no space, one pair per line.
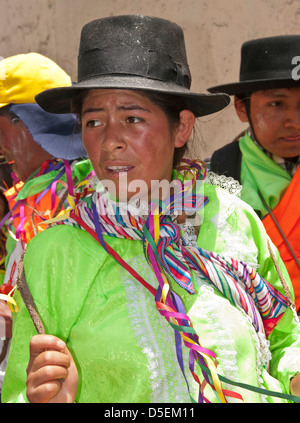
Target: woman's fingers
48,368
43,393
39,343
49,358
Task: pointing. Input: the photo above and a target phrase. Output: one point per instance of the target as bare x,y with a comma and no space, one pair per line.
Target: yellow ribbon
13,306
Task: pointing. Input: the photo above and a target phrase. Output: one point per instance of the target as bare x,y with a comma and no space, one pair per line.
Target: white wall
214,31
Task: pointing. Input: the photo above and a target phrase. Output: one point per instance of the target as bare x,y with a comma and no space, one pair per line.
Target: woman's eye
92,123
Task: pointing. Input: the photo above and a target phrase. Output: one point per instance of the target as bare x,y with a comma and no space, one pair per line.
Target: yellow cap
24,76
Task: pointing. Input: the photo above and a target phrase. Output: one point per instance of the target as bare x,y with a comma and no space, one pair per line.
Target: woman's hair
170,104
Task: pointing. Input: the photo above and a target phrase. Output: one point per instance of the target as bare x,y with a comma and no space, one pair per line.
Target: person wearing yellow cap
46,155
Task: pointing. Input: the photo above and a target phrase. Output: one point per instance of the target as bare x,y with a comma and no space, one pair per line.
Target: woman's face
129,140
275,116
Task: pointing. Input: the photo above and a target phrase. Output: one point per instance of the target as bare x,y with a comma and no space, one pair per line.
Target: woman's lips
116,169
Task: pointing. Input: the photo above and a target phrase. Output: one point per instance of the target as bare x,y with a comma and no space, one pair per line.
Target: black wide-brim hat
132,52
266,63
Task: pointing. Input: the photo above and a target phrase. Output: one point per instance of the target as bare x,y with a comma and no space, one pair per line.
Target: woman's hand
51,373
295,385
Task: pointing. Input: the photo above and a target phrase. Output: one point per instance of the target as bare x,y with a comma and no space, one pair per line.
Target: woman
126,279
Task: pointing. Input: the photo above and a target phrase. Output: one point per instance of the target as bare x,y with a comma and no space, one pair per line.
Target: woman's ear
184,128
240,109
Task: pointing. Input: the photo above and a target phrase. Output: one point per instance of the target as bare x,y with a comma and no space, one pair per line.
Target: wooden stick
27,297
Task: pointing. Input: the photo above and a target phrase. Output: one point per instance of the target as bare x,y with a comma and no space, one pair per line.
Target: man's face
19,148
275,116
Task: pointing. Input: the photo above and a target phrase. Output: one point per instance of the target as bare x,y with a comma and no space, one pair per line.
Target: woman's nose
114,137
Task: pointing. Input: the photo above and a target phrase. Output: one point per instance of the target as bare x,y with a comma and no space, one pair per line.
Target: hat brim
246,87
59,135
59,100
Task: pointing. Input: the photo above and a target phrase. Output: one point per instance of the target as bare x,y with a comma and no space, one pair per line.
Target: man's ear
240,109
184,128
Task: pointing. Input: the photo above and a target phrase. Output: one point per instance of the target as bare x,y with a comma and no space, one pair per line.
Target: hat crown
266,63
137,45
23,76
133,52
269,58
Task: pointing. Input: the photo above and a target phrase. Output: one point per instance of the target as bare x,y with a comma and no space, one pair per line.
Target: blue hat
58,134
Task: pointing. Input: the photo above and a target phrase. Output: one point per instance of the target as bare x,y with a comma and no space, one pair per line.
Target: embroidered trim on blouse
227,183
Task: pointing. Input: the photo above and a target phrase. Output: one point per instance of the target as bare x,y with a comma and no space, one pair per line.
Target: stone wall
214,31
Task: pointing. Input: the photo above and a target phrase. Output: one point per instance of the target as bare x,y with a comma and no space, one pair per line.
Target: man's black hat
266,63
